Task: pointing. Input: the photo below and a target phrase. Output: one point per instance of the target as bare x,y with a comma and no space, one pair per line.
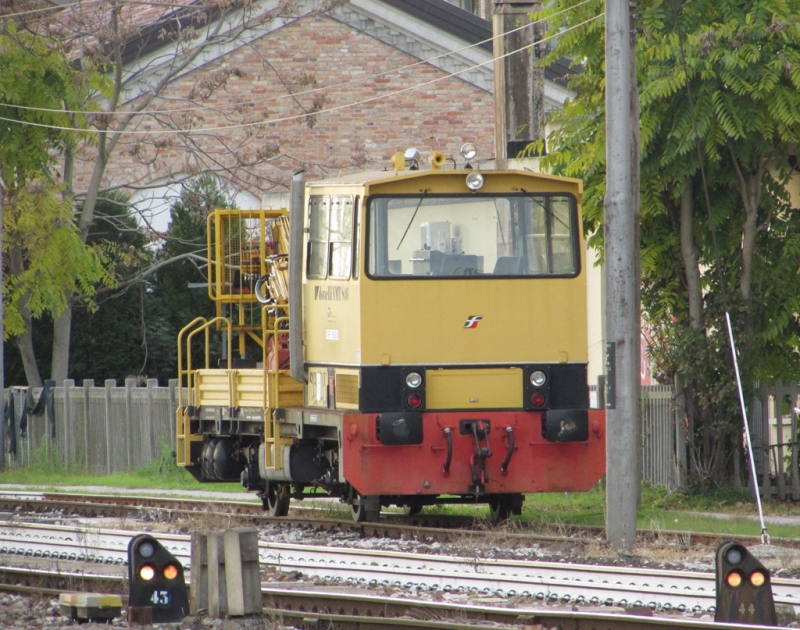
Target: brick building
325,92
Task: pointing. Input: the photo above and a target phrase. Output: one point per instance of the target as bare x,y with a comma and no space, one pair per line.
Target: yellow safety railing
272,373
183,432
204,326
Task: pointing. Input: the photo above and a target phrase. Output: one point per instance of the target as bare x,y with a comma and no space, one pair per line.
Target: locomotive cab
440,346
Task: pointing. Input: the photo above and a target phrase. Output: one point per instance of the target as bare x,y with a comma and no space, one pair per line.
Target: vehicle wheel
275,499
499,509
367,509
502,506
412,509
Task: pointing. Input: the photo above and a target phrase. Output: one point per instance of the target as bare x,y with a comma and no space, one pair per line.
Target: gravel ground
28,613
20,612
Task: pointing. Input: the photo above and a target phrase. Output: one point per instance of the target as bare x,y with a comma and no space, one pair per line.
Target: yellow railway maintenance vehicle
403,337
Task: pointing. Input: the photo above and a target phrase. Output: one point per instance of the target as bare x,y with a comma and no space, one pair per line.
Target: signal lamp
734,579
171,571
146,549
413,379
537,399
757,578
147,572
414,401
733,555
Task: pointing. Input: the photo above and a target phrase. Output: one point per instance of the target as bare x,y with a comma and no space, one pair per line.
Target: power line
251,103
373,99
77,3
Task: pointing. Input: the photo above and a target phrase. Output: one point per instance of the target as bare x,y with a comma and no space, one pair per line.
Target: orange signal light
757,578
147,572
170,571
734,579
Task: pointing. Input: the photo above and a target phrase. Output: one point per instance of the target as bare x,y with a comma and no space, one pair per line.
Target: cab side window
330,237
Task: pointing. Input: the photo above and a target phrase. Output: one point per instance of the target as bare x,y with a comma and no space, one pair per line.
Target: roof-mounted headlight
474,181
468,151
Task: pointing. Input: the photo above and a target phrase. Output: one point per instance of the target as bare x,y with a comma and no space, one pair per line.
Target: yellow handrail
271,386
205,326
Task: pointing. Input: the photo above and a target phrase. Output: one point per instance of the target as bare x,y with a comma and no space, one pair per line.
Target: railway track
547,582
347,584
321,514
305,606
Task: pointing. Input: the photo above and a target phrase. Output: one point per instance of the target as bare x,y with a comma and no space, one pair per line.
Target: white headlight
468,151
474,181
412,155
538,378
413,379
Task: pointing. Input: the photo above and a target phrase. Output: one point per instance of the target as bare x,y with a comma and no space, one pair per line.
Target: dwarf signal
156,580
744,591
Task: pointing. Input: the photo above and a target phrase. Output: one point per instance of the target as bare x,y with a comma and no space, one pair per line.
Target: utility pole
518,78
2,336
622,273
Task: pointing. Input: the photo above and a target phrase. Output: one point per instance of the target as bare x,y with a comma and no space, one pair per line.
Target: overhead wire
270,121
76,3
253,102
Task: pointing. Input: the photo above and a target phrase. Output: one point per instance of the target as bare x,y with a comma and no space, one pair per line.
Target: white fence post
87,385
67,424
110,384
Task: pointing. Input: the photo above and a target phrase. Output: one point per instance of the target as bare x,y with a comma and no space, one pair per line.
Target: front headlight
474,181
413,379
538,378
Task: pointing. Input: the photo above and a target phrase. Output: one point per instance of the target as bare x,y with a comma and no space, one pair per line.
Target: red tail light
414,401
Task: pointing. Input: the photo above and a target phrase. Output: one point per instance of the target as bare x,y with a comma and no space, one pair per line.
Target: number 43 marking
160,598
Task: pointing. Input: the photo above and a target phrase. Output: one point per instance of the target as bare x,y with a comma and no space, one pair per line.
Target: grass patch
45,469
660,509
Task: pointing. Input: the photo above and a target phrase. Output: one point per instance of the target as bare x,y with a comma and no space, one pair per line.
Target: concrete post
623,432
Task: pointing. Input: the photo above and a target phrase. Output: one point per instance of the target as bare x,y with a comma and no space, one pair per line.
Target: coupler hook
480,431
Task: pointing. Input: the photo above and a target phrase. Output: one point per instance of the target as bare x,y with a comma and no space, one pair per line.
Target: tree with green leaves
719,85
110,46
48,265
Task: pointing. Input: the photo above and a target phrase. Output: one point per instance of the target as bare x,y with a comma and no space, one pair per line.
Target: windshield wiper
408,227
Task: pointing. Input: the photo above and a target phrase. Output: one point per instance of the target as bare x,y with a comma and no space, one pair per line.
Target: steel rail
438,527
546,581
306,606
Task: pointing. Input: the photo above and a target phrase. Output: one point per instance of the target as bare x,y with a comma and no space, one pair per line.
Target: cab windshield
473,235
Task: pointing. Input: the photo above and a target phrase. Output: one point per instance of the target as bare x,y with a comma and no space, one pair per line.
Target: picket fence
109,429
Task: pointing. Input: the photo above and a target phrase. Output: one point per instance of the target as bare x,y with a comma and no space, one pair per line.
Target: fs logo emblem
472,321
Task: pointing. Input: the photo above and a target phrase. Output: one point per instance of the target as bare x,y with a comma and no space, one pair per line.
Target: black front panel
399,428
384,388
568,386
381,389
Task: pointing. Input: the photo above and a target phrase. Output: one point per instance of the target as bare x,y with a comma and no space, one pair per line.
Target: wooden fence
100,430
111,429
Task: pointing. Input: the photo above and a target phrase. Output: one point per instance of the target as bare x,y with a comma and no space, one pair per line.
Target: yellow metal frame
183,431
229,385
272,386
